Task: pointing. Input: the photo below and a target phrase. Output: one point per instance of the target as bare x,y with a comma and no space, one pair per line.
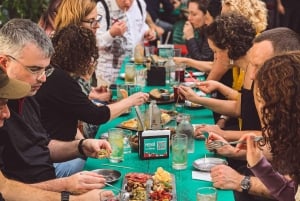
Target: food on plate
103,153
143,186
124,93
162,176
162,185
165,118
157,93
131,123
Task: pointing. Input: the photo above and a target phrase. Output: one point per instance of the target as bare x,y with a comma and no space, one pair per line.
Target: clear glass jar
153,117
185,127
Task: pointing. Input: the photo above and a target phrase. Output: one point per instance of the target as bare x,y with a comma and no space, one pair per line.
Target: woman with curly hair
254,10
233,34
277,99
62,101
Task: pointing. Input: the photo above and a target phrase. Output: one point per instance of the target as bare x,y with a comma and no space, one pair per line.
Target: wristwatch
65,196
245,184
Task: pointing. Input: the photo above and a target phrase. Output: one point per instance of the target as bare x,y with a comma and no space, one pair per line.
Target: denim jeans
68,168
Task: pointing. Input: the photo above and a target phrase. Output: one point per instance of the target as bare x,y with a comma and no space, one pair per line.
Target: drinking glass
140,78
179,151
116,140
129,73
206,194
179,72
177,52
139,54
127,135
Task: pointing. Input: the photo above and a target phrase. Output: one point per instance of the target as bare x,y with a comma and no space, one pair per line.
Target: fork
218,143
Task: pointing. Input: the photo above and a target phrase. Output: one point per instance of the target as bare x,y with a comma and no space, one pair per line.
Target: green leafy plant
31,9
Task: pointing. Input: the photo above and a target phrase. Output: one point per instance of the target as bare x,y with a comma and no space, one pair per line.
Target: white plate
205,164
197,74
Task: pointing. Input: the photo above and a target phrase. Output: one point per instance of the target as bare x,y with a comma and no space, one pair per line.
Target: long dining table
185,186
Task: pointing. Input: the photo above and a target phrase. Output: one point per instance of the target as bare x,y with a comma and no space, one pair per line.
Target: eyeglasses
94,22
35,70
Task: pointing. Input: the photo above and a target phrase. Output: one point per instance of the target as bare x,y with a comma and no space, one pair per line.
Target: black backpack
107,11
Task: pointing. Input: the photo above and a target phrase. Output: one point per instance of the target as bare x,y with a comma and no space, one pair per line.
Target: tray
148,186
205,164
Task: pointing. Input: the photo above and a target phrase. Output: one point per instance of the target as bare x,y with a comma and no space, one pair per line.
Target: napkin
205,176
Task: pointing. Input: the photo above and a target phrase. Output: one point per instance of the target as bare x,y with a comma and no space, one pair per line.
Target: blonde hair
254,10
72,12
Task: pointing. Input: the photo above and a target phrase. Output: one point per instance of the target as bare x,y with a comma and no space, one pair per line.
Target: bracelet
79,147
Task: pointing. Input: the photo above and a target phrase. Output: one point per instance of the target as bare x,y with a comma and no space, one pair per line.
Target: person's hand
84,181
118,28
209,128
150,35
176,4
224,177
280,8
188,31
94,195
226,150
208,86
95,94
91,147
137,99
254,153
159,31
179,60
188,93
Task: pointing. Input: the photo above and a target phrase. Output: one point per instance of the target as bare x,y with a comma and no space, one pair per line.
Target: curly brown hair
231,31
278,84
75,50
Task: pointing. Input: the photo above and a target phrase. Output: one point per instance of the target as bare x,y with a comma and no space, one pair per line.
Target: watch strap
65,196
245,184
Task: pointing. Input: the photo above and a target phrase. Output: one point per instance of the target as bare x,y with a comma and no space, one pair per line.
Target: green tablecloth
185,185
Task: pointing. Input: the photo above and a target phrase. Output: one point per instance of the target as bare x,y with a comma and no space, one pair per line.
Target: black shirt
249,113
25,154
198,47
63,103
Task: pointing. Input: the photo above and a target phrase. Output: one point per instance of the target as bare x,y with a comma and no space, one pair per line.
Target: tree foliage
31,9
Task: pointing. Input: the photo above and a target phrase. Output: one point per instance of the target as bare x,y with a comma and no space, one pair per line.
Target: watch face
245,184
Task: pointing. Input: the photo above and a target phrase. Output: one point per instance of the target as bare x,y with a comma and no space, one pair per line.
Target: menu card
154,144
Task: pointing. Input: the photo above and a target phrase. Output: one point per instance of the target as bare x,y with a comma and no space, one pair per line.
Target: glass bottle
170,70
185,127
153,117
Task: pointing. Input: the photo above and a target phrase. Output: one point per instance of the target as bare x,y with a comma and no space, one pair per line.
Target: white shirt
112,50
